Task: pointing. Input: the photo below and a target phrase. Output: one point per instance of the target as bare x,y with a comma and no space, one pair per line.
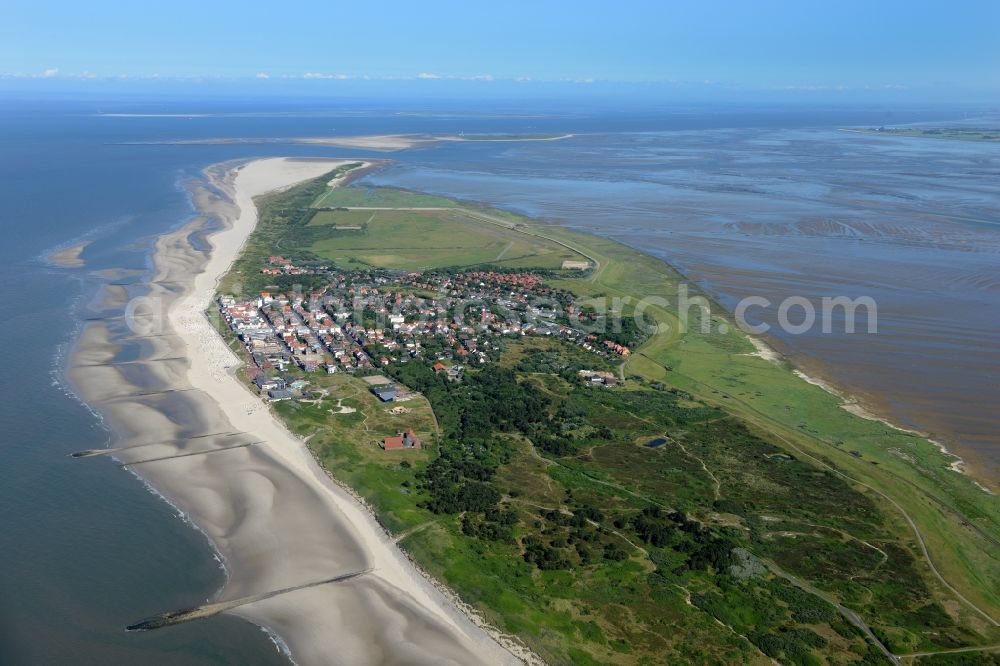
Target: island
525,411
953,133
377,142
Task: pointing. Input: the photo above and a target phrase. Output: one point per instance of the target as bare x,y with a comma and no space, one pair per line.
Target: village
363,321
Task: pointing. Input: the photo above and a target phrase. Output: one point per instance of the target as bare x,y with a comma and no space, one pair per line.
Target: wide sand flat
69,257
376,142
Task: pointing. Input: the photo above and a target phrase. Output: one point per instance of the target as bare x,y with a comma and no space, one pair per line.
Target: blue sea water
87,548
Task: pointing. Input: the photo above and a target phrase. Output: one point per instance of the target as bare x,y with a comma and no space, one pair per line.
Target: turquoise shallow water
87,549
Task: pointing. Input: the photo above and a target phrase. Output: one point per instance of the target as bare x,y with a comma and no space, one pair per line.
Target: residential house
405,440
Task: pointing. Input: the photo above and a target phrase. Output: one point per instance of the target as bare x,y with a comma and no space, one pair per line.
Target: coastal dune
191,429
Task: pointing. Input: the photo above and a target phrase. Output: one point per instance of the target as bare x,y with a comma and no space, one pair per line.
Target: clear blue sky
752,45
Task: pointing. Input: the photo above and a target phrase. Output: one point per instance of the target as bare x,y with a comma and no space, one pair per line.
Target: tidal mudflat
912,223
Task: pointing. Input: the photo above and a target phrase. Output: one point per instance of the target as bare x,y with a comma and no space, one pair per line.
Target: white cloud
320,75
50,72
453,77
263,75
887,86
817,87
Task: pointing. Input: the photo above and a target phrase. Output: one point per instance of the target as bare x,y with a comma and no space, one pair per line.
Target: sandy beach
192,430
379,142
386,143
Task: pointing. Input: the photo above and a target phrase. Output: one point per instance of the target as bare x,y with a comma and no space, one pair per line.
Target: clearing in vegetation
425,239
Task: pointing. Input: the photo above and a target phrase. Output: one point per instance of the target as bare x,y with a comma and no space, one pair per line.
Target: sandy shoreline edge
377,142
275,517
856,406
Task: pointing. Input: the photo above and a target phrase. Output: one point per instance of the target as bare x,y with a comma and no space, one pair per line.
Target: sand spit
68,257
276,518
381,142
504,139
377,142
387,143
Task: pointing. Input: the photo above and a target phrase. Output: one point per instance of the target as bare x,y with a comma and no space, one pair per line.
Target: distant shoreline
853,404
986,135
376,142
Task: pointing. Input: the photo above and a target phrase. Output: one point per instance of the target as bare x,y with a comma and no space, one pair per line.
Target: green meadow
341,218
348,197
426,239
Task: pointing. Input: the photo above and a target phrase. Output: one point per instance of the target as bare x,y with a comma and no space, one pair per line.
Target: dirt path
413,530
504,251
899,507
851,616
984,648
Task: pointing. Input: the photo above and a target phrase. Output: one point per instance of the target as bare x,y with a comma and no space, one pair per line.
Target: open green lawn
341,218
396,239
424,239
347,444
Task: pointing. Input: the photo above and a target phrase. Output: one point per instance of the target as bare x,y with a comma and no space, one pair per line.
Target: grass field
404,239
340,218
348,443
379,197
424,239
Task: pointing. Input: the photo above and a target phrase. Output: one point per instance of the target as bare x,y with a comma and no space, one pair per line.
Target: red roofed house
406,440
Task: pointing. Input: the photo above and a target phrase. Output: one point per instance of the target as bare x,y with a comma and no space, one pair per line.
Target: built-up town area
366,319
